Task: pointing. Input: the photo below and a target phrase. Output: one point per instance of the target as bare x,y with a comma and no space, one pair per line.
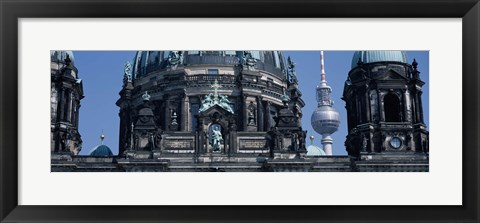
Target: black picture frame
11,11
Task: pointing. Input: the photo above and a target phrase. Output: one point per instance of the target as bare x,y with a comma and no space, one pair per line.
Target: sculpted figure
206,103
127,75
216,139
224,103
248,60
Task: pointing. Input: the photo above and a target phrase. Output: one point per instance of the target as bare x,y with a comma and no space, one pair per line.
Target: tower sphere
325,120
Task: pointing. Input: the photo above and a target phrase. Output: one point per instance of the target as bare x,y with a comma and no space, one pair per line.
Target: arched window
391,108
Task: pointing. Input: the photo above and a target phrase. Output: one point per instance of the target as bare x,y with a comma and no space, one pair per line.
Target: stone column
359,109
122,132
367,106
70,104
244,111
381,111
166,114
417,108
259,114
78,113
184,117
371,146
408,106
61,104
420,107
267,117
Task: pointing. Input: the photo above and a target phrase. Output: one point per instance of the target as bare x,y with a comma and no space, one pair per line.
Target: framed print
207,104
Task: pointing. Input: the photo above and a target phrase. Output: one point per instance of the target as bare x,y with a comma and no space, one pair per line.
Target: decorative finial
67,60
291,69
127,75
102,137
146,96
414,64
285,97
359,62
311,139
175,58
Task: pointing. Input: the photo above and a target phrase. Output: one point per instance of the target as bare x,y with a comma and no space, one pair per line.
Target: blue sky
102,75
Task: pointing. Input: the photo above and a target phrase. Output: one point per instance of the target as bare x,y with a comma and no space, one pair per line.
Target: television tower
325,119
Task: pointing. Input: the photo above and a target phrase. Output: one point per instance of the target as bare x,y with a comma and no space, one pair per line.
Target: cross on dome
215,87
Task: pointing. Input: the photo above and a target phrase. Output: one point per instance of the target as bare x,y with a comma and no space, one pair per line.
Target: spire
322,65
323,90
416,73
102,137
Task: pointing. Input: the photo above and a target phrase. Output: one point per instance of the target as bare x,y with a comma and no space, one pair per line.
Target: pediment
215,108
391,75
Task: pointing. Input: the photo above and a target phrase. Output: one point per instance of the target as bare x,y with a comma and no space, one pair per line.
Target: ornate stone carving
292,74
127,73
248,62
251,115
175,58
215,99
216,139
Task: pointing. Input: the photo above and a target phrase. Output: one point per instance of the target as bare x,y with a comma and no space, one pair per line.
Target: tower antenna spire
322,65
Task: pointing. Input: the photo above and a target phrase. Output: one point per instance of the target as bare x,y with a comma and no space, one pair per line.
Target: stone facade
385,110
65,95
196,111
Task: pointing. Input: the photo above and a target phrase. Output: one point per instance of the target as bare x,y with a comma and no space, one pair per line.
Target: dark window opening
194,112
392,108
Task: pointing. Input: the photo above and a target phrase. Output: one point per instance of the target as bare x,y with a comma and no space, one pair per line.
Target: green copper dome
147,62
372,56
101,150
313,150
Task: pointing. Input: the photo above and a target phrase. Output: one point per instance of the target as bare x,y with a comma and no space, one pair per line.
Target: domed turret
313,150
325,119
65,95
63,62
378,56
101,150
250,86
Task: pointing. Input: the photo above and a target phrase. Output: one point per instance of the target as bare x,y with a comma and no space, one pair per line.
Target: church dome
146,62
60,56
101,150
372,56
313,150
